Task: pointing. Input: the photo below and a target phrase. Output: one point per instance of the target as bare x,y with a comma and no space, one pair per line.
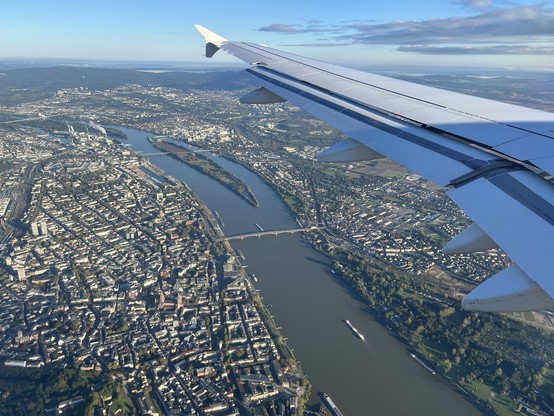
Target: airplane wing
496,158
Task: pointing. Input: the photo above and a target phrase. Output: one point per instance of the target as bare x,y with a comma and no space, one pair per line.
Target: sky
497,33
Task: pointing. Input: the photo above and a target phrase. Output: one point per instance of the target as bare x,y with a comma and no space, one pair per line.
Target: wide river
375,377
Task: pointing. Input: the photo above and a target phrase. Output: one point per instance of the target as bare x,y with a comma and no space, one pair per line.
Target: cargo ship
421,363
347,322
332,406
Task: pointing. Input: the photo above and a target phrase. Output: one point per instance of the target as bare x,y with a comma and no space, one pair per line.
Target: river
375,377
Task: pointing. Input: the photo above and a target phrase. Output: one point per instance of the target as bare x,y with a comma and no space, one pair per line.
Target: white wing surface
496,157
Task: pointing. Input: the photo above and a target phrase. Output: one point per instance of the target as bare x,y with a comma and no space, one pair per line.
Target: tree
446,365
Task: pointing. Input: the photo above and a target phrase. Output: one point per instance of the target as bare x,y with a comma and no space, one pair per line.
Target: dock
219,218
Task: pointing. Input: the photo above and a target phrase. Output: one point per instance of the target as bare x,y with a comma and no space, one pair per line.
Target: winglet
213,40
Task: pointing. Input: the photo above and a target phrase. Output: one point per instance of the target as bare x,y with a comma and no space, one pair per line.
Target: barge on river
358,333
332,406
420,362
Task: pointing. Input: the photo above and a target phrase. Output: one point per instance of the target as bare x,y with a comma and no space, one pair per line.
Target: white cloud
474,4
479,50
499,30
521,24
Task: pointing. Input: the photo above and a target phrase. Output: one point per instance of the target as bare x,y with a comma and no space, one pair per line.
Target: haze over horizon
461,33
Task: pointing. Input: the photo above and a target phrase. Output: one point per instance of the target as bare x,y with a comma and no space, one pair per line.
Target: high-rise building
161,300
43,228
34,228
21,274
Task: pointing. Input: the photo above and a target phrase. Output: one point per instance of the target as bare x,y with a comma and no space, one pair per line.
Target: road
19,120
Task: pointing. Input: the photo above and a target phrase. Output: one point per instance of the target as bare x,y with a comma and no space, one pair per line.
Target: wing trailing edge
472,240
507,291
348,150
261,96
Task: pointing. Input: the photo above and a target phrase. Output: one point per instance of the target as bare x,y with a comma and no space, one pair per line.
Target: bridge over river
170,153
259,234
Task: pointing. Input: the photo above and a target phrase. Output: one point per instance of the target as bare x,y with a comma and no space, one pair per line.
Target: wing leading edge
493,156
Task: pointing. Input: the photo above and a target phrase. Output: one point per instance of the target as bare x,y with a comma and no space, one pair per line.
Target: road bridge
178,152
20,120
275,233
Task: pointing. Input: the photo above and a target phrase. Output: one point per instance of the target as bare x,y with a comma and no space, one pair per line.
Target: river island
206,166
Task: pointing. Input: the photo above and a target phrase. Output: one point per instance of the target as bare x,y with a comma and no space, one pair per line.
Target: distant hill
30,84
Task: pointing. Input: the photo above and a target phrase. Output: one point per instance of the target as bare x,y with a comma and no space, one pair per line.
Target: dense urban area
118,294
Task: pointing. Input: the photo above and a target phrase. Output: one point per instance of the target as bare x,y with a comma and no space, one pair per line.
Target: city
117,272
115,268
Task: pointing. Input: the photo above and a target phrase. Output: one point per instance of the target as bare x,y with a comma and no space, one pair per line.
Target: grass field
503,405
548,381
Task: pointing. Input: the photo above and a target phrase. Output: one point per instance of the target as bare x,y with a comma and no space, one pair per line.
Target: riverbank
384,315
284,350
293,203
207,167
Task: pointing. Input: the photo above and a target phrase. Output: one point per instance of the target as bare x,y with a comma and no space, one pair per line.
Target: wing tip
213,40
211,37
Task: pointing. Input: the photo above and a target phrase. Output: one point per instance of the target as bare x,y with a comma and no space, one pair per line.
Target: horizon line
168,64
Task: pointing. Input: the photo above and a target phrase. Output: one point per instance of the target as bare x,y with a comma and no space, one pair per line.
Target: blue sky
501,33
